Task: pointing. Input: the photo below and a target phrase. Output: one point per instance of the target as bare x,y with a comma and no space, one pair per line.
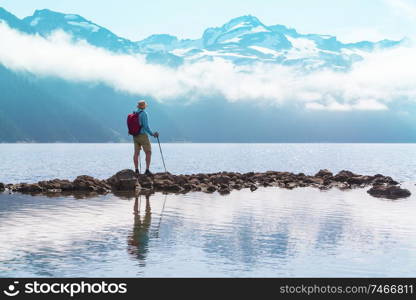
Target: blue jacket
144,121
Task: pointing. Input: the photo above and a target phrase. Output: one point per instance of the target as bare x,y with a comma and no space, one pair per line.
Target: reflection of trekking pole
161,215
161,153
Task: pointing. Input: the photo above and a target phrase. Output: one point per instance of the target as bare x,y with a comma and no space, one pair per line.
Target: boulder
181,179
245,176
210,188
291,185
224,190
85,183
172,188
201,176
359,179
27,188
194,181
166,176
124,180
388,192
160,183
260,177
2,187
343,176
56,184
381,180
237,186
314,180
187,187
253,187
324,174
222,179
196,188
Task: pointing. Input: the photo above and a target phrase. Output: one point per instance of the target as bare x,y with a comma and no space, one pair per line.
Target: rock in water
124,180
324,174
2,187
224,189
253,188
388,192
223,182
29,188
210,189
90,184
344,175
359,179
56,184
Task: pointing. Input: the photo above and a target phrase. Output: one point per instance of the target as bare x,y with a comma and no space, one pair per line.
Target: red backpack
133,123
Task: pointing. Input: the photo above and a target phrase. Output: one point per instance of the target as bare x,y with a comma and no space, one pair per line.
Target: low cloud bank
373,84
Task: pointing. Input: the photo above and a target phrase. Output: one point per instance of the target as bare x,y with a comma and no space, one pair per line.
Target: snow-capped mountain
14,22
243,40
45,21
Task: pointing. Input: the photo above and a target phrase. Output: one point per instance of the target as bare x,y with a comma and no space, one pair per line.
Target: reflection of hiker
138,124
139,239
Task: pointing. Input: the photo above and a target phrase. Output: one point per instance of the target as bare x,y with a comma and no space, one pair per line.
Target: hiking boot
148,173
137,172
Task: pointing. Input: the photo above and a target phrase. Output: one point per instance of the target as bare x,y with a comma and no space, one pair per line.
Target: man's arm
145,123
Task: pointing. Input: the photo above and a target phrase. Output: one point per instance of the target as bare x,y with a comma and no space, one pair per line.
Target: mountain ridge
241,40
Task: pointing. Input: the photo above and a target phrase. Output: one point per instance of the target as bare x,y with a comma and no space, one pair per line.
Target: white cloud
372,34
374,83
404,8
363,104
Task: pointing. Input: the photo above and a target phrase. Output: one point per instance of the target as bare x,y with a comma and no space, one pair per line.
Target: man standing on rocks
142,140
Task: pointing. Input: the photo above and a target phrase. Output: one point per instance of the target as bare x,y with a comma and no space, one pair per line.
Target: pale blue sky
348,19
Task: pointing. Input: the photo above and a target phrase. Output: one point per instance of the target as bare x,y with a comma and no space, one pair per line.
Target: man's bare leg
136,159
148,159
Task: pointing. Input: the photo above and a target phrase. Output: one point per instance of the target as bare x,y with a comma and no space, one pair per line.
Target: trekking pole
161,153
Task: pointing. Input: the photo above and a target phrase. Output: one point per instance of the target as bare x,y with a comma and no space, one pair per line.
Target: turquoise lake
271,232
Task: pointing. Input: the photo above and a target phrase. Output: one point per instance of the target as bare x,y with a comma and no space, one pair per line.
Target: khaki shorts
142,141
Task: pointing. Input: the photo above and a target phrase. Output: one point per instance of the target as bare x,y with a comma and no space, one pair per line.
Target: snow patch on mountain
206,54
265,50
71,17
181,52
85,25
232,40
35,22
240,25
302,48
258,29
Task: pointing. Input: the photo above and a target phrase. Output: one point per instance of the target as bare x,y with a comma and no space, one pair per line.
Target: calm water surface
270,232
34,162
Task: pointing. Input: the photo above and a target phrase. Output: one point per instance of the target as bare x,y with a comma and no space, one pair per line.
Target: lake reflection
138,241
271,232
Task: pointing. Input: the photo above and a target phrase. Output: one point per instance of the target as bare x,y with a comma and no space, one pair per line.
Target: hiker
140,139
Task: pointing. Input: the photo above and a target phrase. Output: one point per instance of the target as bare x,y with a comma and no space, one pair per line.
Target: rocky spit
223,183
